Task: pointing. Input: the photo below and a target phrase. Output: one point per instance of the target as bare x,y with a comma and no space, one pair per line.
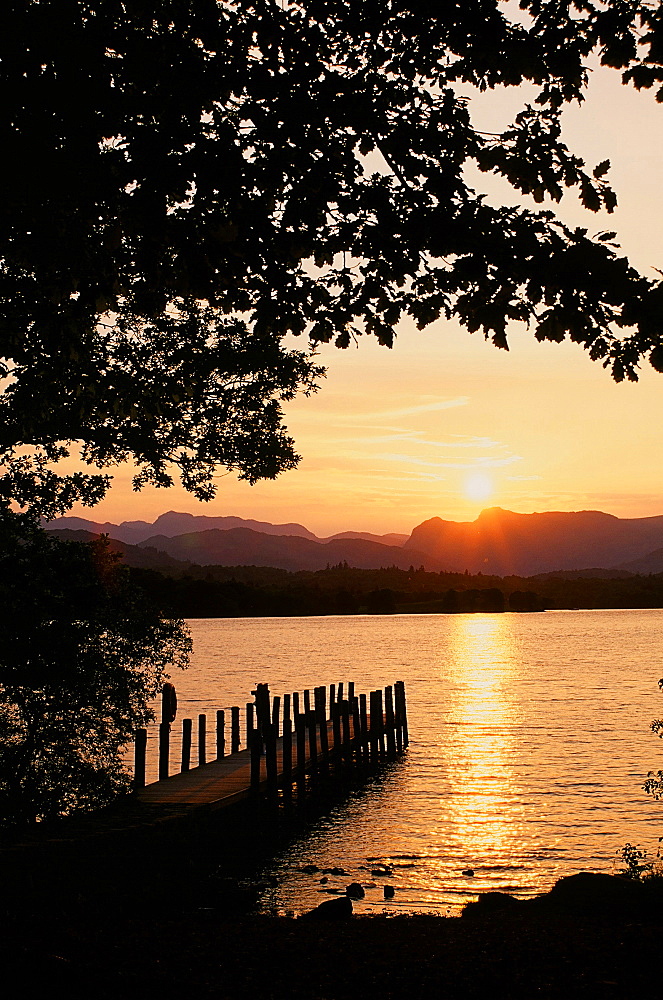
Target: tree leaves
192,184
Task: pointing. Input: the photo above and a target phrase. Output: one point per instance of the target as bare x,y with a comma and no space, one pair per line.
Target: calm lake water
530,743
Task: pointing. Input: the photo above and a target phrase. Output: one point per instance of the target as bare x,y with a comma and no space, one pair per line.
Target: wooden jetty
292,747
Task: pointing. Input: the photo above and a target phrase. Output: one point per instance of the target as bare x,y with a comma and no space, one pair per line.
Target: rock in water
331,909
355,890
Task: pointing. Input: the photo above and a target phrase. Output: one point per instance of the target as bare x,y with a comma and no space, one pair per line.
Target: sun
478,486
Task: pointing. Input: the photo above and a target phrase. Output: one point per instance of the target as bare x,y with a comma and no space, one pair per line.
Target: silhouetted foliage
81,655
191,182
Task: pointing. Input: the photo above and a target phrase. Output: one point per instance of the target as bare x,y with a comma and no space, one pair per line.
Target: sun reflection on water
481,807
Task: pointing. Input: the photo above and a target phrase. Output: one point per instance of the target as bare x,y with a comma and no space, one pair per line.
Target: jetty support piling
220,734
187,726
202,740
389,721
271,765
301,758
307,701
363,729
250,724
234,729
286,767
256,758
295,706
276,713
336,732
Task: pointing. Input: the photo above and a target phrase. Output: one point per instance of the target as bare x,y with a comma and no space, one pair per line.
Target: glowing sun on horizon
478,486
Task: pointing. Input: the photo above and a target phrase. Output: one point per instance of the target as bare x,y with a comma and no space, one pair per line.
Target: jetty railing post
256,757
403,713
332,696
378,703
187,727
202,739
339,692
301,758
311,722
363,728
373,730
270,763
307,701
164,749
356,732
398,725
140,752
262,710
351,691
286,767
295,707
336,731
250,725
389,720
276,713
220,733
234,729
345,722
321,715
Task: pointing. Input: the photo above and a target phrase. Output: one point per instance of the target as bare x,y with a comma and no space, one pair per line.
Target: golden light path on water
480,673
529,744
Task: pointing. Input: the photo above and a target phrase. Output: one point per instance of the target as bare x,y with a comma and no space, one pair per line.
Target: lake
530,742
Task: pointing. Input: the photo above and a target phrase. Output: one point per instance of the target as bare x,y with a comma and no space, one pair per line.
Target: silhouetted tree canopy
189,183
81,655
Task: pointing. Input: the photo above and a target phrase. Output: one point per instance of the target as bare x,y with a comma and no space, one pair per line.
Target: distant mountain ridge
498,543
504,543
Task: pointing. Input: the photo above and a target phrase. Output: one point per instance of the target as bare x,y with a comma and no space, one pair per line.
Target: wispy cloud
483,462
409,411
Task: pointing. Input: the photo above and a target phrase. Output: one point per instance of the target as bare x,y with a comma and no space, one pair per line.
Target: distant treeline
256,591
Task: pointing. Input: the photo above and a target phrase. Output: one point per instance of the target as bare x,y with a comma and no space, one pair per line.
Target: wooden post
276,713
307,701
295,706
140,751
402,713
187,727
397,717
301,757
336,730
312,724
389,720
250,724
202,740
345,722
287,756
339,692
234,729
220,733
270,762
380,714
286,708
351,691
262,707
363,728
356,732
373,731
332,695
256,757
164,749
321,714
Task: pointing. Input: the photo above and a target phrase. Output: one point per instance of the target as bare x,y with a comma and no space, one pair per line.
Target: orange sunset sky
444,424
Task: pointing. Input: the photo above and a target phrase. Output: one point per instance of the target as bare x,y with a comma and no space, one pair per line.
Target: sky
444,424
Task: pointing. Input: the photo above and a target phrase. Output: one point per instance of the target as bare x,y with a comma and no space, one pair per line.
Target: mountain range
498,543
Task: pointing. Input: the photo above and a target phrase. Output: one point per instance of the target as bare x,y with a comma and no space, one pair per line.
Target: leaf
601,169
